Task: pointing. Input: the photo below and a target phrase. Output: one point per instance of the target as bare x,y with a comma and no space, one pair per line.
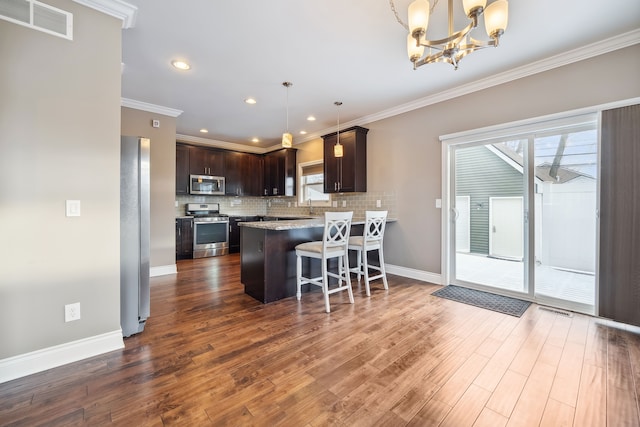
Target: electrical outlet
72,207
72,312
378,204
344,203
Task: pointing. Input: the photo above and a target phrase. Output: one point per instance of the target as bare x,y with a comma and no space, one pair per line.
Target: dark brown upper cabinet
243,173
182,169
347,174
206,161
280,173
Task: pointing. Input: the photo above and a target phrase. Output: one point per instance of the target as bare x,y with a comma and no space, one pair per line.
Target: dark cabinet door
270,175
233,162
184,238
234,234
346,174
252,174
243,173
182,169
280,173
206,161
332,166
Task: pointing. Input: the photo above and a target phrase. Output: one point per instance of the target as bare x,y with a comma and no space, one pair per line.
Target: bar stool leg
382,269
298,277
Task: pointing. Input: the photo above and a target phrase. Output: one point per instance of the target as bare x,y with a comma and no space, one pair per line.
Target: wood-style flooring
212,356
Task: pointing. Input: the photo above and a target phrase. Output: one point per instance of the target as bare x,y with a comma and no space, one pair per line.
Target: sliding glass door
489,215
523,214
566,166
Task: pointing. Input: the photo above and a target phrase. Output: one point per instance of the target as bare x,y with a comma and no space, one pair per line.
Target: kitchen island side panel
268,261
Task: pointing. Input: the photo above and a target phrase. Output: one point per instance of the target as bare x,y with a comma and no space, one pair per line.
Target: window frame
301,185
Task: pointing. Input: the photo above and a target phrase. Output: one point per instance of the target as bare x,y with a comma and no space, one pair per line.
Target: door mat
507,305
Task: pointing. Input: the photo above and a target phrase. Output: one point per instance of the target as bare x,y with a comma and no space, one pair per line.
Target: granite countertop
298,223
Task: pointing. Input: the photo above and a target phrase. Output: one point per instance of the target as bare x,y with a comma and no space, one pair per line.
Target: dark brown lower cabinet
184,238
619,273
268,260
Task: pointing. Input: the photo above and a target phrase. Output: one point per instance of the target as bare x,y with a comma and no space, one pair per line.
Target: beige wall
59,140
163,179
404,152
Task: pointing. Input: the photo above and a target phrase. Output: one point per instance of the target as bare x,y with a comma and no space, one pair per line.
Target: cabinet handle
179,232
335,186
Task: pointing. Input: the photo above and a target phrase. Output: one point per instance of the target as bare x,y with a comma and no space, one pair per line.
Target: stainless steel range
210,230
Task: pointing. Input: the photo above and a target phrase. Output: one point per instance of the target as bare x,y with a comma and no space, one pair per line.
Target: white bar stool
370,240
337,226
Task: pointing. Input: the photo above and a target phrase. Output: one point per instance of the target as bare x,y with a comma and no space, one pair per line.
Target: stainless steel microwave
206,184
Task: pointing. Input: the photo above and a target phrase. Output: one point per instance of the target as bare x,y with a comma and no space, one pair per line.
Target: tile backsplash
228,205
274,206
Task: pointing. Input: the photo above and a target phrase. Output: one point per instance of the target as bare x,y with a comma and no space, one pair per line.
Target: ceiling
334,50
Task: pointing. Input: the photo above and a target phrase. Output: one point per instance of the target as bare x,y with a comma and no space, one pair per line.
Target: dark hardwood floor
211,355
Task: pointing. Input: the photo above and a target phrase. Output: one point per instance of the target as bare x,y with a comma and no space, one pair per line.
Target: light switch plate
439,203
73,207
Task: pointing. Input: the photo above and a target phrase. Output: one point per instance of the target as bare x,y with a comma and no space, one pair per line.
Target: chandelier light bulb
496,18
414,50
418,17
473,5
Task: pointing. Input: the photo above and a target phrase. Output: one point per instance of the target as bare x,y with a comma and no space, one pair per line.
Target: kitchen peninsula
268,258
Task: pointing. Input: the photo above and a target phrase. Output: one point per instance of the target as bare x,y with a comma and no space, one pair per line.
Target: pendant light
338,149
287,138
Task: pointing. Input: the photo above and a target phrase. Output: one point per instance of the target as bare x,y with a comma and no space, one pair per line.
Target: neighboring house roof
511,157
562,174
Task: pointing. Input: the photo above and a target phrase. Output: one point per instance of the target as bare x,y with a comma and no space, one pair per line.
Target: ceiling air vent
39,16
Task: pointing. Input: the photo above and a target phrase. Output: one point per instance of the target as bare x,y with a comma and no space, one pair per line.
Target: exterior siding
481,174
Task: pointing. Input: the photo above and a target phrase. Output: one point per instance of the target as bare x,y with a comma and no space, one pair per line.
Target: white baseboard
412,273
163,270
47,358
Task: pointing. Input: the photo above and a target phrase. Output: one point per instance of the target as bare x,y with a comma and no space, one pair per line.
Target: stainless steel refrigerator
134,233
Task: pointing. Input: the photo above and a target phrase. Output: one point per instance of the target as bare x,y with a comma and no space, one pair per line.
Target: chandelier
287,138
458,44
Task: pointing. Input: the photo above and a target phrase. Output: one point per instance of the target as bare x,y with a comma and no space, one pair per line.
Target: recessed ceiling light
255,140
180,65
303,132
311,119
204,131
250,101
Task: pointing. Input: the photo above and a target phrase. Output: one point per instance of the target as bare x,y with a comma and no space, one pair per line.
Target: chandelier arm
438,57
453,37
482,43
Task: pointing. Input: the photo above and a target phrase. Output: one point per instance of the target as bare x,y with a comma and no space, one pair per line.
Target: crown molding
117,8
152,108
589,51
220,144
